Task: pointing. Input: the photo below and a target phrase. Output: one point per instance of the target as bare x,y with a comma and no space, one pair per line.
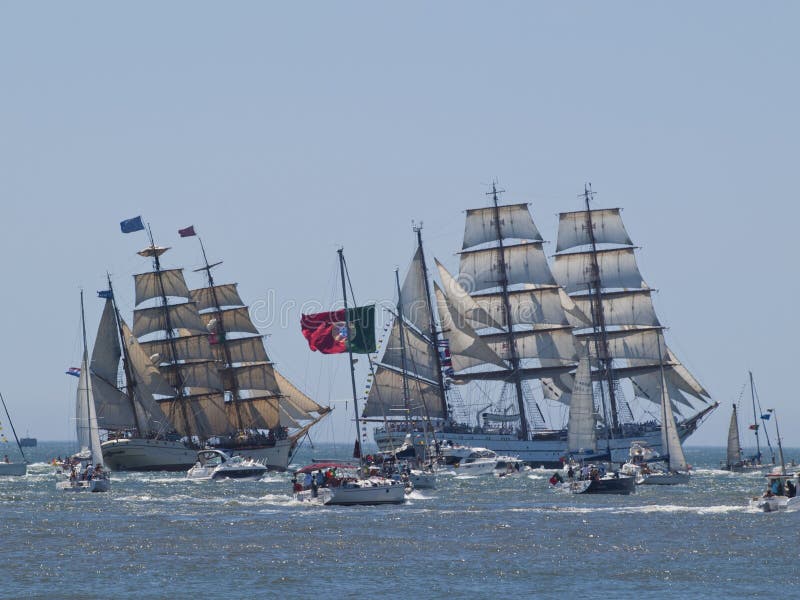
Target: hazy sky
283,130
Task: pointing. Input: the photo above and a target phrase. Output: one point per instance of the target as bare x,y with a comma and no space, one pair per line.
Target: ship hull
548,453
138,454
275,458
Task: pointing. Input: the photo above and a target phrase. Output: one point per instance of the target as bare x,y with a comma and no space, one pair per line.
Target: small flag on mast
74,371
107,294
131,225
187,231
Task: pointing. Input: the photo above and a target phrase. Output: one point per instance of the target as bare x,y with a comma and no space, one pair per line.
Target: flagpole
350,356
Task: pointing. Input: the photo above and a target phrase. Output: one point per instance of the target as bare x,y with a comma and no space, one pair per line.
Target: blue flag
131,225
107,294
766,416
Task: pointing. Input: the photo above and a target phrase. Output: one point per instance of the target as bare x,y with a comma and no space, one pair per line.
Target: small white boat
15,469
645,467
480,461
508,465
8,468
338,484
422,479
215,465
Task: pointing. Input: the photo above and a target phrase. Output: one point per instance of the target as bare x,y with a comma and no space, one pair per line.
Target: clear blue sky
282,130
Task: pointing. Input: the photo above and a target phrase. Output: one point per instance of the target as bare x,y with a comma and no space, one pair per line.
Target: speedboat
216,464
341,484
480,461
593,479
781,493
508,465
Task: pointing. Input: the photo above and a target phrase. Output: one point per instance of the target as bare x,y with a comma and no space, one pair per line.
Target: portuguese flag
332,333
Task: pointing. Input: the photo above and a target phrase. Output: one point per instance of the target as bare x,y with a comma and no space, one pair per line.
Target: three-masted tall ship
197,375
514,326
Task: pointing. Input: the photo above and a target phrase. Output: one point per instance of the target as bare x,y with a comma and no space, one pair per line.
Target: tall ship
196,374
512,332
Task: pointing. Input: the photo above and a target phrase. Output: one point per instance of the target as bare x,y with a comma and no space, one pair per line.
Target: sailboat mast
350,355
512,347
434,330
170,336
755,416
14,431
85,365
131,382
780,446
222,334
598,317
402,331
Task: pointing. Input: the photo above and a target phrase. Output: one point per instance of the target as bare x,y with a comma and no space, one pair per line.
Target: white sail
474,313
575,316
515,222
669,433
181,316
240,350
226,295
148,381
581,433
552,347
234,320
187,347
202,415
648,386
415,305
734,453
261,412
168,282
639,346
386,397
467,349
634,307
419,357
573,228
685,380
617,270
525,264
540,307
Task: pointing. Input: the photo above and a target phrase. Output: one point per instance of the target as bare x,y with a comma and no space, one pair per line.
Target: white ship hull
95,485
139,454
548,453
362,494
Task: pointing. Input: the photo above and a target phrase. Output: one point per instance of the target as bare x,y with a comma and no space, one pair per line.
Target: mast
434,330
220,326
131,381
755,417
14,431
523,419
340,251
85,365
401,327
170,336
780,446
599,322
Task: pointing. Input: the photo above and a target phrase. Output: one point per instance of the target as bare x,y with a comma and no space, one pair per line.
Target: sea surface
156,535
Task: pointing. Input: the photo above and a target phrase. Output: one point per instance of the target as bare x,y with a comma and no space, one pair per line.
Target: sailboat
734,461
588,478
406,386
8,468
510,322
782,486
92,475
333,484
199,364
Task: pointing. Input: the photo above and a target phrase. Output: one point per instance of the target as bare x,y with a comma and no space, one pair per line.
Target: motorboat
647,467
342,484
479,461
215,465
508,465
594,479
781,493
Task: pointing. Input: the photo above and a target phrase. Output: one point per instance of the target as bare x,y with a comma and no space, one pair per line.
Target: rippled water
158,536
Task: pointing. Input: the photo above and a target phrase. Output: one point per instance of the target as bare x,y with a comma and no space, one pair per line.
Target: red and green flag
332,333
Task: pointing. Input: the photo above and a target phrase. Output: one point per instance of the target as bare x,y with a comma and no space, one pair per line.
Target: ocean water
156,535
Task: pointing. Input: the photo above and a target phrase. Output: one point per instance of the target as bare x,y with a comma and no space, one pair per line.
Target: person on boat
89,472
775,487
307,480
314,485
791,489
571,472
296,486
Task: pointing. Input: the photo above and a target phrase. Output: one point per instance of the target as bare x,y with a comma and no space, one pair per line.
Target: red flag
754,427
325,332
187,231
